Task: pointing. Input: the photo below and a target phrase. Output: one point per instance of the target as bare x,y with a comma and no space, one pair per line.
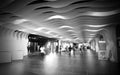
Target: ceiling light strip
92,30
108,13
97,26
65,27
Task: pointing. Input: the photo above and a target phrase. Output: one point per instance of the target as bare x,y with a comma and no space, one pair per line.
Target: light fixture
56,17
65,27
97,26
19,21
107,13
92,30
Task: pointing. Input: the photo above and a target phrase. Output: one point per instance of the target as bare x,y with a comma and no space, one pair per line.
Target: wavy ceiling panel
74,13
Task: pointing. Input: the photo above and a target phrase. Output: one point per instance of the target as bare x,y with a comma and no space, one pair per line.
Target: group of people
75,48
69,49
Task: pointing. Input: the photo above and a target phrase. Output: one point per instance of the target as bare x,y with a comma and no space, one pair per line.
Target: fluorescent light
107,13
97,26
92,30
56,17
65,27
20,21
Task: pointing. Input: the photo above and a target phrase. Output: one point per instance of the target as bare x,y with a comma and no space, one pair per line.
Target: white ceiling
76,20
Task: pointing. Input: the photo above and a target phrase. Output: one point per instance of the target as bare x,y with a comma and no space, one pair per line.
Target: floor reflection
51,63
56,64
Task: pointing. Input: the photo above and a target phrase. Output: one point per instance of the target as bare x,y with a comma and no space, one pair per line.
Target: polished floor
85,63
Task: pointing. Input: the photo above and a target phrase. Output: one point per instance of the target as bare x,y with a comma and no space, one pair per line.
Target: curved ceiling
74,20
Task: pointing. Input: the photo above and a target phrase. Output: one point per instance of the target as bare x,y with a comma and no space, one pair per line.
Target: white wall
12,47
110,37
109,33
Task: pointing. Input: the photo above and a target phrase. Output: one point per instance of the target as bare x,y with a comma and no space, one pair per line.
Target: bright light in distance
92,30
56,17
42,50
97,26
65,27
19,21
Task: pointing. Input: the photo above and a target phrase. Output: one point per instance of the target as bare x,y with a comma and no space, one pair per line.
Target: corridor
85,63
59,37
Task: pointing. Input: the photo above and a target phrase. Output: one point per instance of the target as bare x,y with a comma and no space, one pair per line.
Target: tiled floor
60,64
